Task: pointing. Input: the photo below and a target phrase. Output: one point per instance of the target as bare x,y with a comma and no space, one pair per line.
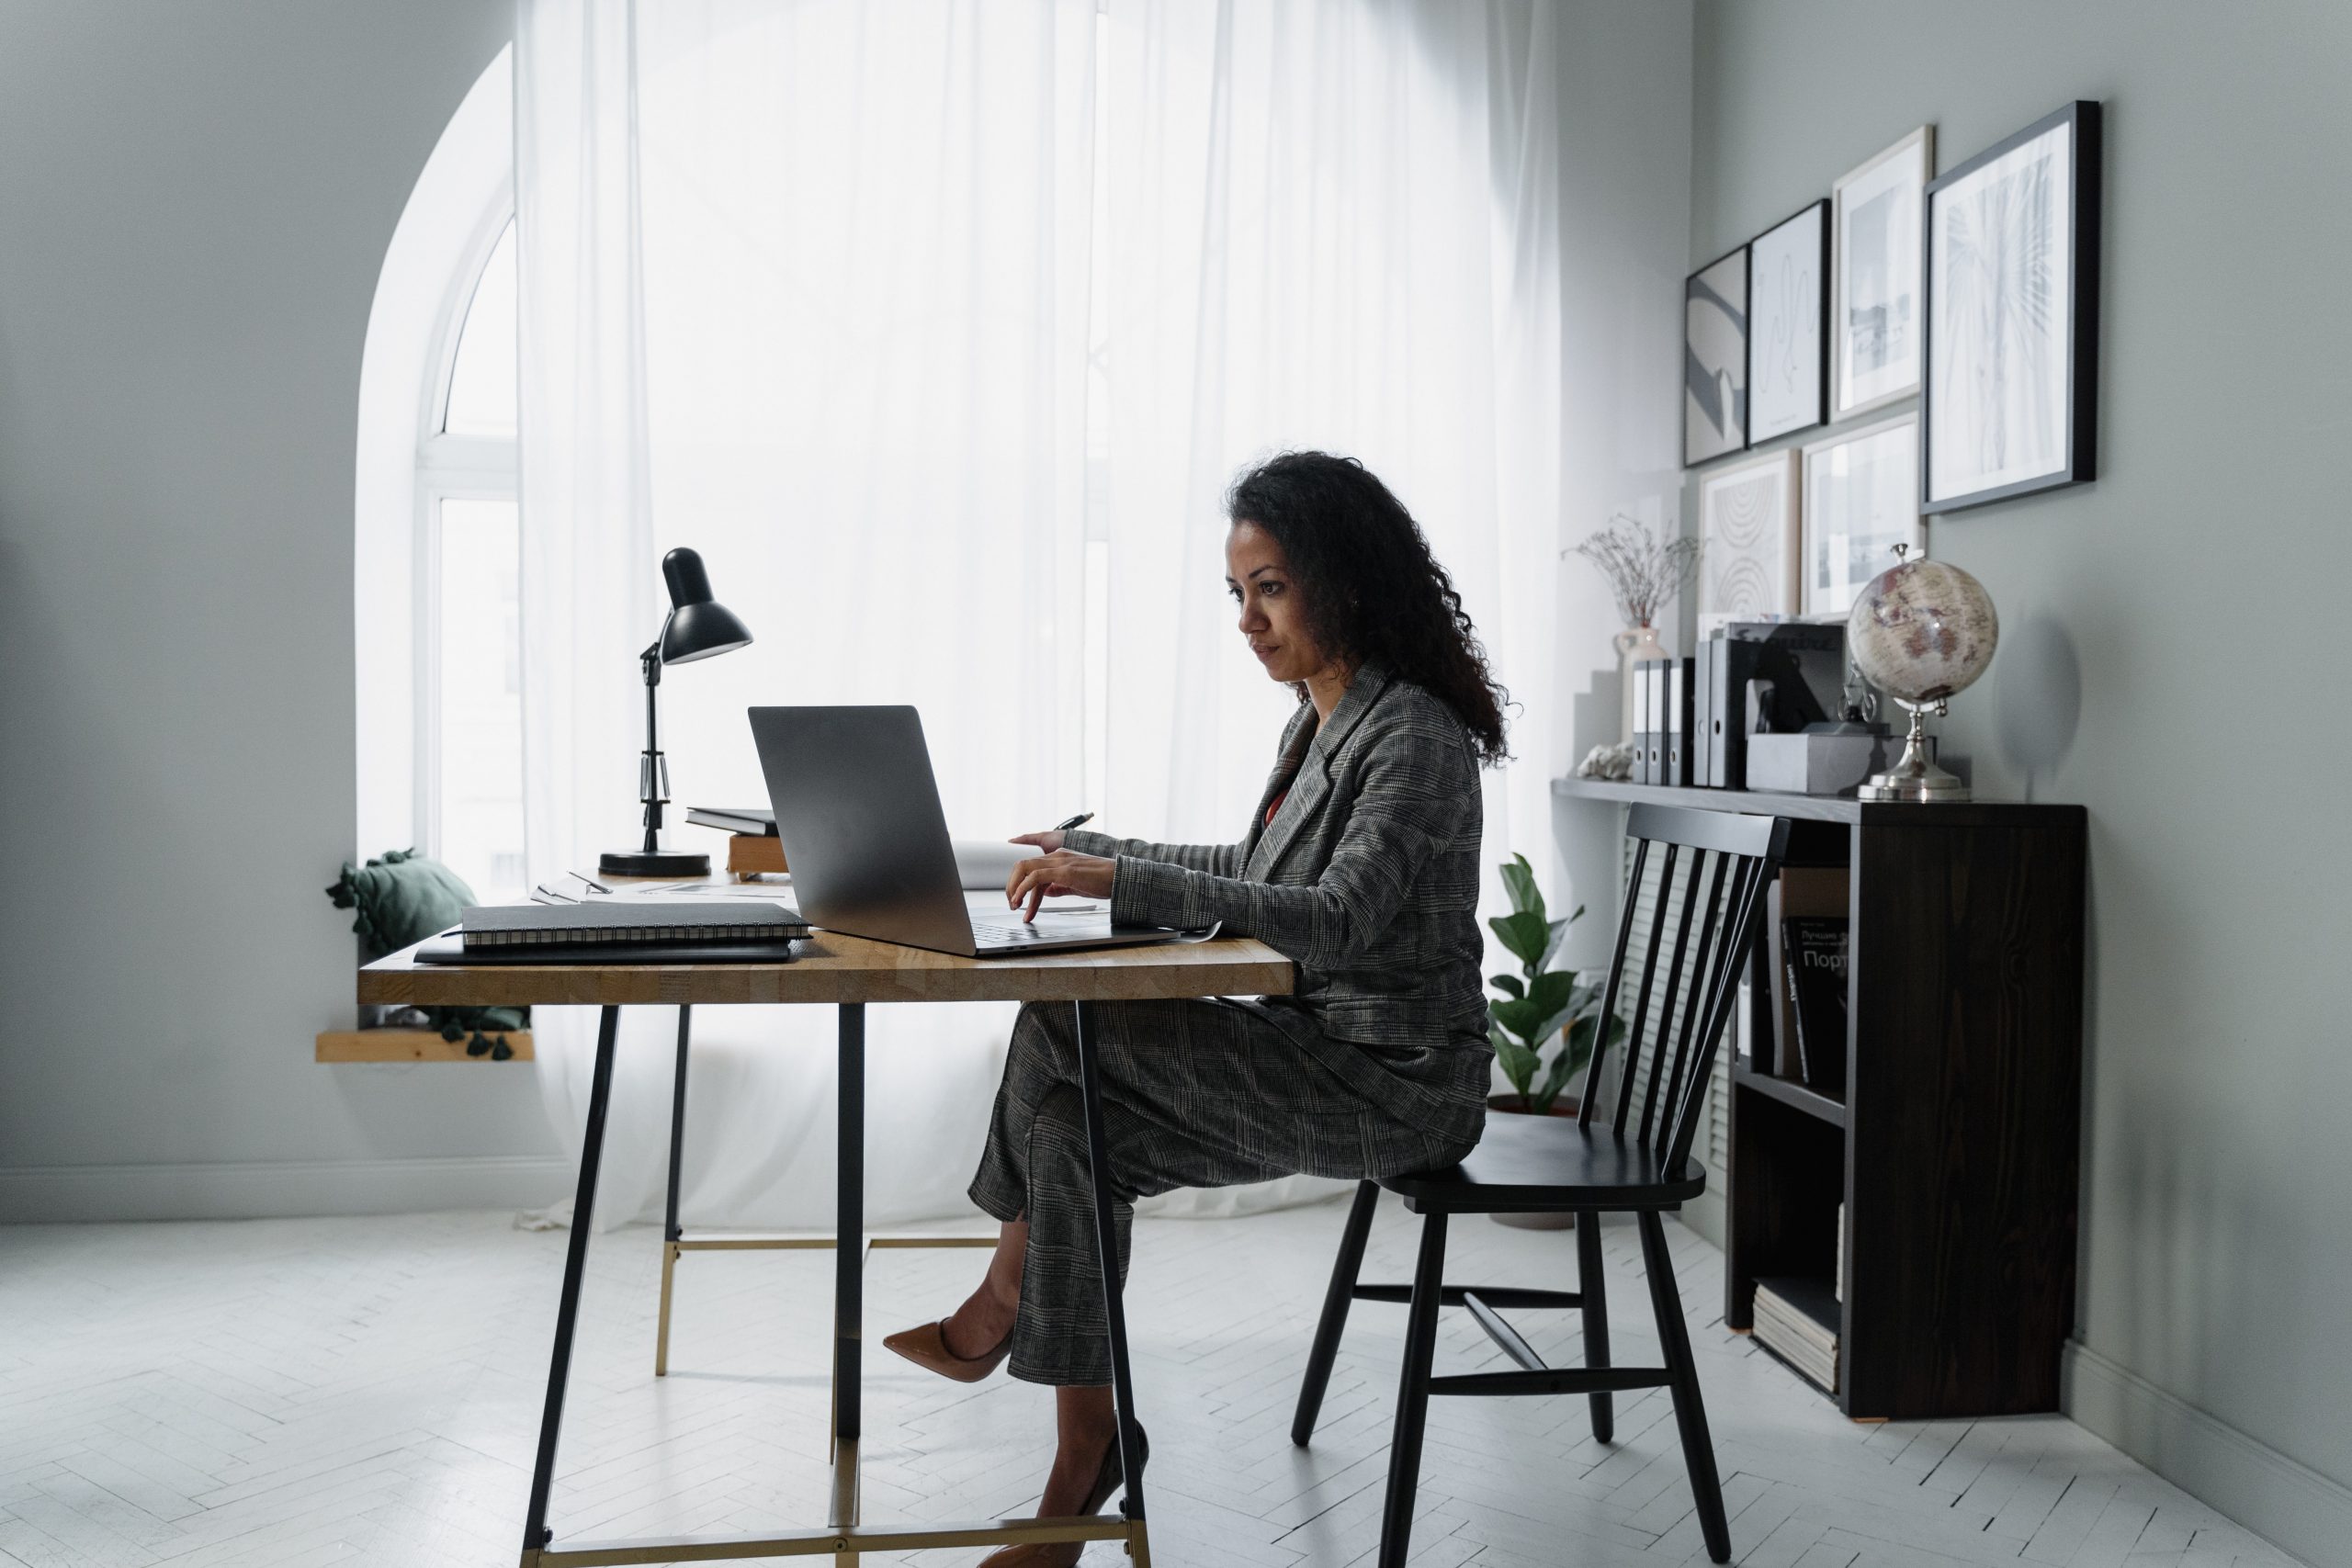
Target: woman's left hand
1051,876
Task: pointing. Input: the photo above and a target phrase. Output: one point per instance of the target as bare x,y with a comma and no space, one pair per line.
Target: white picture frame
1747,523
1788,343
1877,302
1861,499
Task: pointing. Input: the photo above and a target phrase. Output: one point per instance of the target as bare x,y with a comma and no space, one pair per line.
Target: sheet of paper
989,862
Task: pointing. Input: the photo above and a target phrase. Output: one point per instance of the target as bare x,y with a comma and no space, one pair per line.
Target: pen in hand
1081,820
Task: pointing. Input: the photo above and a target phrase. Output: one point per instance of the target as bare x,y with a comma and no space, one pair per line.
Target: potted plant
1540,1008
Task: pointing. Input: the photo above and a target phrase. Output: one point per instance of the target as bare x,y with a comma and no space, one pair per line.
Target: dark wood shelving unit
1955,1150
1788,1091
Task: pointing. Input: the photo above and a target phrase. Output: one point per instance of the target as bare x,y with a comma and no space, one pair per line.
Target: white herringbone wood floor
365,1391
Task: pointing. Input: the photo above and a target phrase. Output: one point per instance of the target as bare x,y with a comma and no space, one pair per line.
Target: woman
1361,864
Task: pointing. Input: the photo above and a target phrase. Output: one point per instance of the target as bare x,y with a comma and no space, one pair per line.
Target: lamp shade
698,625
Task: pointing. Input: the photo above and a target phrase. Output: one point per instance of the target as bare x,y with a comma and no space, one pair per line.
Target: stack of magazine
1798,1318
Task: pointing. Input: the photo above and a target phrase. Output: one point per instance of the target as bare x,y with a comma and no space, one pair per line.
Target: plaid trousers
1195,1093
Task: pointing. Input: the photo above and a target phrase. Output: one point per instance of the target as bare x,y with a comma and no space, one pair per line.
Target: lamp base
653,863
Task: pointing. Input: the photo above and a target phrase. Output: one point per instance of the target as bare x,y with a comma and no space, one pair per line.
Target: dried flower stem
1645,572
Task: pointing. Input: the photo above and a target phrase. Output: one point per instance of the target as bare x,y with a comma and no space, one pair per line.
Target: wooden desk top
837,968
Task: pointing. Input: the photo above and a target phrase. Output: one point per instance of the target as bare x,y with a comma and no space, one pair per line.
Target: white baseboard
2295,1507
248,1190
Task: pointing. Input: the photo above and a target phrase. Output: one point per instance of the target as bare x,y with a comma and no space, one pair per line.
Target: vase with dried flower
1645,572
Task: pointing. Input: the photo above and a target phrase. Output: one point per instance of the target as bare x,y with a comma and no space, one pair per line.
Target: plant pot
1508,1104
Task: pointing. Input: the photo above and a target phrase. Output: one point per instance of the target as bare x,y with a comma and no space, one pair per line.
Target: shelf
410,1045
1788,1091
1825,808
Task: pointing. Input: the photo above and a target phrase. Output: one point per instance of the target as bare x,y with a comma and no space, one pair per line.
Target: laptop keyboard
1014,931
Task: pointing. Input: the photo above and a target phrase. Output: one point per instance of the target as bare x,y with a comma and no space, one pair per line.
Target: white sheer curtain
804,287
1332,223
807,283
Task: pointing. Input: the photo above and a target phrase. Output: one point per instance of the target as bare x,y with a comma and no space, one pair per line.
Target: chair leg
1413,1394
1690,1414
1334,1321
1595,1288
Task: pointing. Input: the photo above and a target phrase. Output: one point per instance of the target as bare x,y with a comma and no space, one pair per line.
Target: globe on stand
1920,632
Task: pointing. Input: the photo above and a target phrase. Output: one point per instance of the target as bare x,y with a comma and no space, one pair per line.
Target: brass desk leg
670,1203
843,1511
662,1334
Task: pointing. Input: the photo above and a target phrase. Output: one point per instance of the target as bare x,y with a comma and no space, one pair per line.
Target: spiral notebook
621,924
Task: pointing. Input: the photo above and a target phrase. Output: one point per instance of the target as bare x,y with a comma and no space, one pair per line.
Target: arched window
435,620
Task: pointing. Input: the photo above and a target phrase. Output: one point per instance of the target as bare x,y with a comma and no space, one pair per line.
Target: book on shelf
1798,890
1798,1317
1813,950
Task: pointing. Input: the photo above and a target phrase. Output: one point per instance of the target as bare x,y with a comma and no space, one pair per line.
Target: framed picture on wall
2012,342
1788,341
1861,499
1875,313
1747,522
1714,359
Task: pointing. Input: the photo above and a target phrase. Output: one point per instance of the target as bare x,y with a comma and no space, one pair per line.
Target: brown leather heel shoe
926,1346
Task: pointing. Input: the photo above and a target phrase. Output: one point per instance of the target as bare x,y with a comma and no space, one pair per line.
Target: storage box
1818,765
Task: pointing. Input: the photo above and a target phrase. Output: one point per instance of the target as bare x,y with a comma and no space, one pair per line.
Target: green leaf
1519,881
1522,1018
1523,934
1552,991
1518,1064
1564,1067
1508,984
1559,934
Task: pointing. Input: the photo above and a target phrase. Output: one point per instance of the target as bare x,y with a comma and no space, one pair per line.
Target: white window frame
458,468
406,466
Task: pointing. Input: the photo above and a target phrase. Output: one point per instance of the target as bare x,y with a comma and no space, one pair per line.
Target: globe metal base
1915,776
652,862
1931,787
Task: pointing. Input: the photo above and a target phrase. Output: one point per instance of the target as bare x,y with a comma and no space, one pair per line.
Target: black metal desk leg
849,1226
567,1313
1106,1247
669,1215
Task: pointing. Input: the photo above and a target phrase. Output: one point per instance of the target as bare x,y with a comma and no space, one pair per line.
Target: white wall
2172,645
194,204
1625,195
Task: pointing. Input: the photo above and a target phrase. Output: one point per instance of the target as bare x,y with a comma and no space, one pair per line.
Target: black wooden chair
1699,879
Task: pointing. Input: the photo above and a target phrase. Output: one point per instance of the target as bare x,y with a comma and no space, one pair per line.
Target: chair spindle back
1712,868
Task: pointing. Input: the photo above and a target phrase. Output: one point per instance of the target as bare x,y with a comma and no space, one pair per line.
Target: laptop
857,808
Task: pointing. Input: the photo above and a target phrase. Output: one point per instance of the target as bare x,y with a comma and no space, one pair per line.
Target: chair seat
1543,1163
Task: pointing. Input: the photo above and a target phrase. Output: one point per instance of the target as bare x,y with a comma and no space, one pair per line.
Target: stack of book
1797,1318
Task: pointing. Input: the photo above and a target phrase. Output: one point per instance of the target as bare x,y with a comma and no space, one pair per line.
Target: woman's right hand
1047,841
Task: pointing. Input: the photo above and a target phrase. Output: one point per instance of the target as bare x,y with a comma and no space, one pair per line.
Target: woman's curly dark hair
1369,586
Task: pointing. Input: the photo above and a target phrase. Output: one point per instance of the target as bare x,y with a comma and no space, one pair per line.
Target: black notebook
633,922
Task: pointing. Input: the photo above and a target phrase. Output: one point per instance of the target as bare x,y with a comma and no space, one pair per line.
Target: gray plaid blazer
1367,878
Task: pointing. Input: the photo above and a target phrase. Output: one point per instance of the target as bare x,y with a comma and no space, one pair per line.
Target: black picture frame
1695,370
2079,464
1818,406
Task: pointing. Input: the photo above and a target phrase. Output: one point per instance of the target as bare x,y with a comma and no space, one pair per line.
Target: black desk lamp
698,627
